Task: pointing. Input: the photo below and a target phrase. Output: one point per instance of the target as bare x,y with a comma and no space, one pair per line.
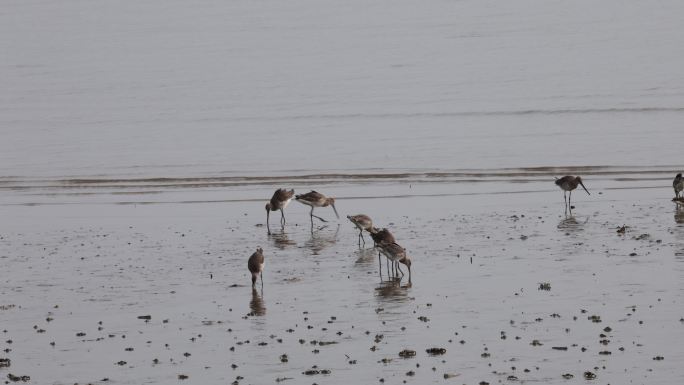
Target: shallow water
242,88
186,263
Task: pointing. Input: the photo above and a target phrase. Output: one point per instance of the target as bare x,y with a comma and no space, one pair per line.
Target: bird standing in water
362,222
316,199
279,201
255,264
569,183
678,185
396,254
382,236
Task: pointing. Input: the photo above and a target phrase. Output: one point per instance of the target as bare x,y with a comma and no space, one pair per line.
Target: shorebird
255,264
569,183
383,235
678,184
380,236
396,254
279,201
316,199
362,222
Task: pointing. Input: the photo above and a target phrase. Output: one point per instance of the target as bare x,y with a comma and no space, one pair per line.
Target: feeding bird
316,199
678,184
362,222
380,236
281,197
396,254
569,183
255,264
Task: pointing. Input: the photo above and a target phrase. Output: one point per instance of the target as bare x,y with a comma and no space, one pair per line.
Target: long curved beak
335,210
585,189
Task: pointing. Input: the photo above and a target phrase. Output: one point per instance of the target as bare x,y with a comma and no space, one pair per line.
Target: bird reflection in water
679,214
281,240
322,239
570,224
256,304
365,257
393,291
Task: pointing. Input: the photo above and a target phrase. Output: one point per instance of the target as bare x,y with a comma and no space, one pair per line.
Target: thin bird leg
388,268
268,214
361,237
315,216
569,200
380,266
261,275
319,218
282,218
399,268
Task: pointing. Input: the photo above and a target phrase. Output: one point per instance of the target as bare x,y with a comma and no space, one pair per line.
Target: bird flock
384,241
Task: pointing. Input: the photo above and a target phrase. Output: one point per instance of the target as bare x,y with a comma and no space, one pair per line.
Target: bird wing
311,196
281,195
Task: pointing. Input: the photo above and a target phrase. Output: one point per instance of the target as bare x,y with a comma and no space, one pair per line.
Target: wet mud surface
502,291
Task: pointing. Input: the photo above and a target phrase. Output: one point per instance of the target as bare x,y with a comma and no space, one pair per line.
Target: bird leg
569,200
399,268
268,214
315,216
380,266
261,275
282,218
361,238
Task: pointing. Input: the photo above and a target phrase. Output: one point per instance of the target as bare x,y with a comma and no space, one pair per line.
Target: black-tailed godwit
316,199
569,183
255,264
279,201
362,222
678,184
396,254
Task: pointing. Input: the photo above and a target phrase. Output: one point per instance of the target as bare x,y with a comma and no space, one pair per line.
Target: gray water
156,89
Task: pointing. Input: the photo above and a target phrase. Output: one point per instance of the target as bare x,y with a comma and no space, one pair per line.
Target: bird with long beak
396,254
279,201
362,222
678,184
316,199
255,264
569,183
382,236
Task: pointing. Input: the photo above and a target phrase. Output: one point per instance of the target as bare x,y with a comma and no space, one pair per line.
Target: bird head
331,202
579,180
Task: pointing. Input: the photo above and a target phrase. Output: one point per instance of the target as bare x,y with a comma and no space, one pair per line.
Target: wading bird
380,236
569,183
396,254
316,199
279,201
255,264
678,184
362,222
